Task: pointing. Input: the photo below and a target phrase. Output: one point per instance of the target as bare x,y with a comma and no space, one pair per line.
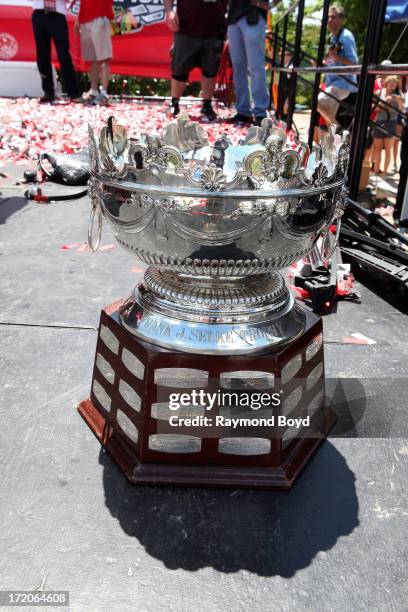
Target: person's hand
77,26
332,54
172,21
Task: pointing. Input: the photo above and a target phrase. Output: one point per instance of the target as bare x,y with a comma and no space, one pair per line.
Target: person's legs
207,90
177,88
388,142
328,103
61,42
100,32
182,55
254,38
94,71
395,145
378,144
208,60
105,73
327,107
240,68
207,87
42,38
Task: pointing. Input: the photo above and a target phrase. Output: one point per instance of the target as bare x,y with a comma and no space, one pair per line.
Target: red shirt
92,9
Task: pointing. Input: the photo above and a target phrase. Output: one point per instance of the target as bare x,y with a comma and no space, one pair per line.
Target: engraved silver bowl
215,224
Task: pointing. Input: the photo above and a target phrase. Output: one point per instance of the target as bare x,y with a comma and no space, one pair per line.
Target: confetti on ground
68,247
357,338
30,128
82,248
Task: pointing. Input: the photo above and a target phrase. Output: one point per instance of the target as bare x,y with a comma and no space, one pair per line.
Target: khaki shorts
96,40
329,106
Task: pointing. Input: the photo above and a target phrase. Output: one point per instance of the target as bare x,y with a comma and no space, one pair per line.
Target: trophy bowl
215,224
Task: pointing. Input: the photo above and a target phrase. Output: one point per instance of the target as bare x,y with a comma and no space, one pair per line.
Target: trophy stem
200,315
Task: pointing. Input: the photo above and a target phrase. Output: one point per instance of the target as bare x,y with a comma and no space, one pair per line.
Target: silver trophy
215,224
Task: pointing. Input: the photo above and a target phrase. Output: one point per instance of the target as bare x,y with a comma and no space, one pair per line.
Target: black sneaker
46,99
208,112
174,110
240,119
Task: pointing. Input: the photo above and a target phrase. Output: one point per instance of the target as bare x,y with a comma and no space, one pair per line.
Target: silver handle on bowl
96,209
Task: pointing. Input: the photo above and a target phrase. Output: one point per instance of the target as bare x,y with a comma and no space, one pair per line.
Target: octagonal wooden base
124,411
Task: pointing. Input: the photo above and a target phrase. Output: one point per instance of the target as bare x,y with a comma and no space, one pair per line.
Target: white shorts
329,105
96,40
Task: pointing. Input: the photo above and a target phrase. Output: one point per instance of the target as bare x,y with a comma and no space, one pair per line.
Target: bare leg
207,86
104,69
177,88
94,75
388,148
395,146
327,109
378,147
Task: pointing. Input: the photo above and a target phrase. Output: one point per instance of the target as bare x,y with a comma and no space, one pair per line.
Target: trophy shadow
265,532
10,206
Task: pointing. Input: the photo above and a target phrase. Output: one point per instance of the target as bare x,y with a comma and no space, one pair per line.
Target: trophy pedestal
123,410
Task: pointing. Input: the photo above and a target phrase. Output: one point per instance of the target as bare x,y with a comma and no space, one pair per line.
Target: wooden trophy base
125,413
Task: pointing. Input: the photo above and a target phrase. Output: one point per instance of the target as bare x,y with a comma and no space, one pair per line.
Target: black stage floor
336,541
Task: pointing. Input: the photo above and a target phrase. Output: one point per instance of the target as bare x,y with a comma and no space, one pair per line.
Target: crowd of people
200,29
388,98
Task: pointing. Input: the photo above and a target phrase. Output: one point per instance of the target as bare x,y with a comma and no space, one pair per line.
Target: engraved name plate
101,395
127,426
316,403
129,395
162,412
174,443
244,446
290,434
290,369
247,379
109,338
292,401
315,375
105,368
184,378
313,346
133,364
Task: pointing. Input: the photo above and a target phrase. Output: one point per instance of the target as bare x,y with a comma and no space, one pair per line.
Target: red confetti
67,247
34,128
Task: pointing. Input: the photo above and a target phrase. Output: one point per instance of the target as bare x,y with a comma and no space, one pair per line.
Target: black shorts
188,53
391,125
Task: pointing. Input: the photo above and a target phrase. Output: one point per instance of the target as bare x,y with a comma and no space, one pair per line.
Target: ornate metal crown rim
114,157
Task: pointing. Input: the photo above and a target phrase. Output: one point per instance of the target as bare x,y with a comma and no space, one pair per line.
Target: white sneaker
101,99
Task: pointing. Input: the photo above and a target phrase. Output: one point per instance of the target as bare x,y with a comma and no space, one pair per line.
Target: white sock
104,92
94,92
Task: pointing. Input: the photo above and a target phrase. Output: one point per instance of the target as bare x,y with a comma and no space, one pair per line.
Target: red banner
144,52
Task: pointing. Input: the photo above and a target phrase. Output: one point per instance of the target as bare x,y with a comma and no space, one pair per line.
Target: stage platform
336,541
